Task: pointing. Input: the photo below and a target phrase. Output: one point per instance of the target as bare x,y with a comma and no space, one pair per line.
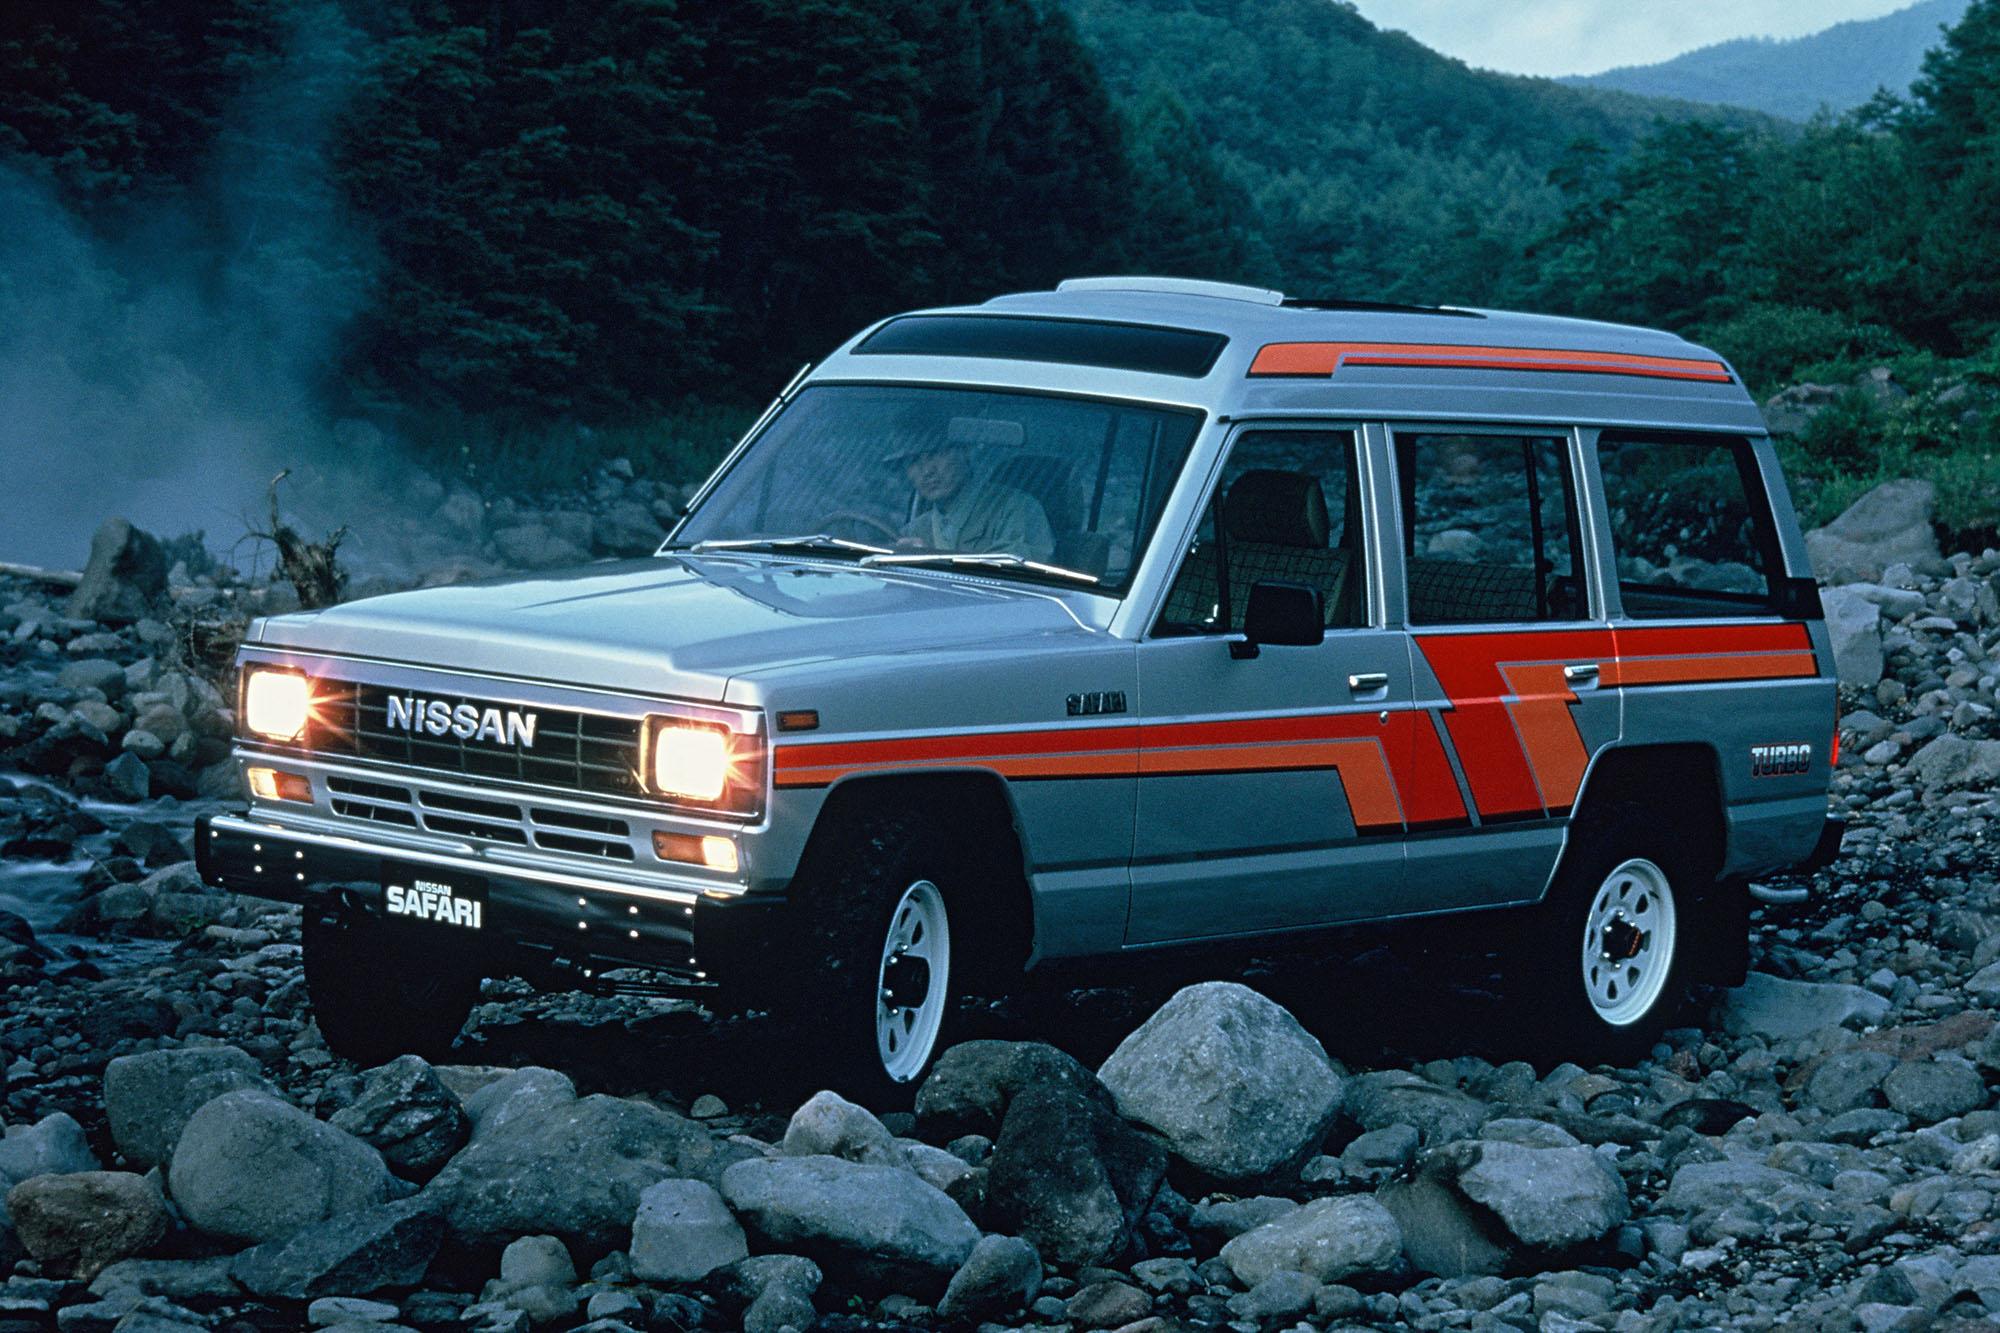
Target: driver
956,513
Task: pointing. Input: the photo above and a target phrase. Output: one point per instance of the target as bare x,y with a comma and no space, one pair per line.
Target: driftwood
309,567
54,578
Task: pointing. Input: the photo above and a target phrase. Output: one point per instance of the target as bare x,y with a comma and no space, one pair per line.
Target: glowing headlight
691,761
276,704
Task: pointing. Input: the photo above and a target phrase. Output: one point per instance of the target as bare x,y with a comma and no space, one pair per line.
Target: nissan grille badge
467,721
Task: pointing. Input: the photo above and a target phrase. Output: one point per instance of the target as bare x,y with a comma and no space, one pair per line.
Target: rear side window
1489,529
1689,526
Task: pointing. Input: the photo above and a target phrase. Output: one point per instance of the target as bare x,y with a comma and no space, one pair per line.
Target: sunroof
1188,353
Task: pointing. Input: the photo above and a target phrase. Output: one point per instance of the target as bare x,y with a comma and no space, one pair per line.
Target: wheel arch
1681,783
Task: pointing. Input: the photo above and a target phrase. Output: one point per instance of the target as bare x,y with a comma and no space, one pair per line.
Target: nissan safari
1143,614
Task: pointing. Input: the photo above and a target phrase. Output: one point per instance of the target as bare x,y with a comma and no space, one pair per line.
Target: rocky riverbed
1819,1149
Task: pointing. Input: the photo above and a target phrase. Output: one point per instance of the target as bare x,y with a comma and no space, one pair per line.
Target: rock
683,1232
1928,1091
349,1254
407,1114
1398,1097
576,1168
126,576
533,546
1443,1234
492,1101
626,527
250,1167
1699,1186
1777,1009
1328,1240
1788,411
1846,1081
828,1125
536,1261
1283,1295
53,1145
1549,1198
148,1098
1889,525
1001,1275
78,1224
1854,622
95,673
1232,1082
182,1280
879,1224
1107,1304
128,774
1069,1176
1951,760
345,1311
971,1085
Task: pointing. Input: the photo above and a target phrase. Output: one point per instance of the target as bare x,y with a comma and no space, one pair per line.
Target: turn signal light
268,784
713,851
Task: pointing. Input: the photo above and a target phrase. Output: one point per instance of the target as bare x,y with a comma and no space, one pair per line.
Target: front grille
571,751
481,818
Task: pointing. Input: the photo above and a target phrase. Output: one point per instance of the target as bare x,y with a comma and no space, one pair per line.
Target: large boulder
125,578
1232,1082
1777,1009
1890,525
878,1224
79,1224
250,1167
408,1115
1329,1240
574,1168
1069,1176
1547,1198
1855,624
349,1254
149,1097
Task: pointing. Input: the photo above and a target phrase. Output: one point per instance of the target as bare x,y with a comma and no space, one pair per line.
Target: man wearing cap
956,513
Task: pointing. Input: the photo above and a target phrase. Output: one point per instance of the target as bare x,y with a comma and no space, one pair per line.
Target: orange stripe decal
1547,729
1321,359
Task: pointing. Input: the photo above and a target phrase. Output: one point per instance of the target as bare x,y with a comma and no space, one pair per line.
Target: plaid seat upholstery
1278,530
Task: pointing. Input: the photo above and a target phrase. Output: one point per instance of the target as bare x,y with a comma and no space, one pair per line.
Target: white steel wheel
1629,942
912,982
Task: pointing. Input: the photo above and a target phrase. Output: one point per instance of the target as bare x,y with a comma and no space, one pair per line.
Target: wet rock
1232,1082
78,1224
352,1253
1329,1240
1776,1009
407,1114
1069,1176
683,1232
148,1098
1001,1275
125,578
250,1167
879,1224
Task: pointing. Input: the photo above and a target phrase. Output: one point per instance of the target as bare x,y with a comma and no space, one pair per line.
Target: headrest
1277,509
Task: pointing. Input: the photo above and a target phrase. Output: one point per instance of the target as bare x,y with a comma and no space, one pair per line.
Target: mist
166,372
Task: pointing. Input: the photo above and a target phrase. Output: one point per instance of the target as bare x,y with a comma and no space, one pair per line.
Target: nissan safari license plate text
435,898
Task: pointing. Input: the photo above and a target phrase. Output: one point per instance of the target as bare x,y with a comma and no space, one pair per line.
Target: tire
879,981
376,996
1604,970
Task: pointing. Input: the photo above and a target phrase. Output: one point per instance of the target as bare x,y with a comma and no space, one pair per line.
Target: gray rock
1777,1009
1398,1097
182,1280
534,546
148,1098
407,1114
877,1223
126,576
250,1167
1069,1176
536,1261
1107,1304
1232,1082
334,1311
1001,1275
1550,1198
1328,1240
1788,411
349,1254
1699,1186
1219,1220
493,1102
53,1145
776,1309
971,1085
626,527
1951,760
1846,1081
538,1163
79,1224
1442,1233
1855,624
1889,525
828,1125
683,1232
1284,1295
1928,1091
95,673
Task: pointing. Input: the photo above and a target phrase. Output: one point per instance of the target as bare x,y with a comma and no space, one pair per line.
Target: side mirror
1288,615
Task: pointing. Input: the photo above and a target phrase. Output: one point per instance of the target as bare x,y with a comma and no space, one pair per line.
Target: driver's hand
911,544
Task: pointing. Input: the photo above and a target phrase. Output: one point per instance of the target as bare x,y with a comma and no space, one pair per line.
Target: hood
675,625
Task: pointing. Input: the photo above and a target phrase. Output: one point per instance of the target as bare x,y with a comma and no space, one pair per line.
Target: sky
1553,37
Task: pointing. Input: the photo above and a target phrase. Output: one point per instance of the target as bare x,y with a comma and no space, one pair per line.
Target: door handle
1362,681
1579,672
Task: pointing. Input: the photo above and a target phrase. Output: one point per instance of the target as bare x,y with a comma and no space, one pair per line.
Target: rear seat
1456,592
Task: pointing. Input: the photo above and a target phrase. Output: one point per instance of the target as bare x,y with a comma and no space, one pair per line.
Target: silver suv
1142,614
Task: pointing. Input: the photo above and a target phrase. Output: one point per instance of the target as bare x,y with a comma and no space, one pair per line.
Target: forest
637,217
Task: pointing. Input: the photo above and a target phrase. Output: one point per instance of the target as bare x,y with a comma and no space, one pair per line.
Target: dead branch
54,578
309,567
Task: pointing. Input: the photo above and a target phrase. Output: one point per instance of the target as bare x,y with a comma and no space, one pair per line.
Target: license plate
433,897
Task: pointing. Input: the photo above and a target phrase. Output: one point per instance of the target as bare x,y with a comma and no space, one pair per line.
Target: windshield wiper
818,541
988,559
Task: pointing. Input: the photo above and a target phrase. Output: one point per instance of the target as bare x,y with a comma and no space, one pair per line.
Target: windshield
1012,484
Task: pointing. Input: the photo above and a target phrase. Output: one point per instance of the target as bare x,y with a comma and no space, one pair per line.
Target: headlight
276,704
691,760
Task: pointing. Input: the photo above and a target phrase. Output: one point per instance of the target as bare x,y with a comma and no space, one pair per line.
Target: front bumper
549,922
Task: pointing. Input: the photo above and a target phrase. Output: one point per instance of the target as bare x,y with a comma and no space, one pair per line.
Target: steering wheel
855,521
